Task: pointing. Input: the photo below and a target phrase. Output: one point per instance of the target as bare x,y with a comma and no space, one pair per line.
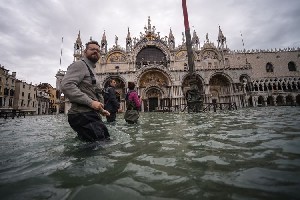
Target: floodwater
251,153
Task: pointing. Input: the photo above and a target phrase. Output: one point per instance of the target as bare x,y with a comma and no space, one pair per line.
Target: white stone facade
160,71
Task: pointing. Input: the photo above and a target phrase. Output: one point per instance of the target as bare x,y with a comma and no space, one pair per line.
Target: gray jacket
78,88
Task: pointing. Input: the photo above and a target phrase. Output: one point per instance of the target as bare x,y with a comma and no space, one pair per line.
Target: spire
207,39
104,43
171,40
78,48
171,34
78,40
104,36
128,41
221,38
128,33
195,40
149,24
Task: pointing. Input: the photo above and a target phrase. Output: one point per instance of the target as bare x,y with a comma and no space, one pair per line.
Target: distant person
133,104
111,103
81,87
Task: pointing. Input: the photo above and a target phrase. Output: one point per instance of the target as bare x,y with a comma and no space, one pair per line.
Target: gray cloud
31,30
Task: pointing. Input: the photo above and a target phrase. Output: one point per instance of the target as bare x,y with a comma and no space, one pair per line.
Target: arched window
269,67
292,66
150,55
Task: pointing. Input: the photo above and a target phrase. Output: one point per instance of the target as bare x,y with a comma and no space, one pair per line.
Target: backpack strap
106,94
93,78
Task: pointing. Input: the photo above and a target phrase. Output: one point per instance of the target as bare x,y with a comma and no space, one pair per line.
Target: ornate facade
160,70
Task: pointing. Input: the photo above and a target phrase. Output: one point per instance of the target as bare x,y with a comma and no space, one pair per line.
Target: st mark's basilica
159,67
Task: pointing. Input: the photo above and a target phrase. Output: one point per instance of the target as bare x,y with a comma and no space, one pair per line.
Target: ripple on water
157,161
241,154
259,179
149,173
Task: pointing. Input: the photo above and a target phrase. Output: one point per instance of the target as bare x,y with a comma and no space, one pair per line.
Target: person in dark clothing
79,85
111,104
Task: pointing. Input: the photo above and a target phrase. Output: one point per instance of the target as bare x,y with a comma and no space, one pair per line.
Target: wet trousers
111,117
89,126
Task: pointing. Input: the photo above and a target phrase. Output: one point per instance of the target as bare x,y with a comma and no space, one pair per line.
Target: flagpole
61,48
244,48
188,38
193,96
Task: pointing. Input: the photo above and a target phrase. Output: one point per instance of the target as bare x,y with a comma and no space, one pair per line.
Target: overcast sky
31,31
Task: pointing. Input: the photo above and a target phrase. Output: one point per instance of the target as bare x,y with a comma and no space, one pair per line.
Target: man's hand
96,105
105,113
120,110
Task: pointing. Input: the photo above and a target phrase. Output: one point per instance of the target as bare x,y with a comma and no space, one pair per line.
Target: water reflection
241,154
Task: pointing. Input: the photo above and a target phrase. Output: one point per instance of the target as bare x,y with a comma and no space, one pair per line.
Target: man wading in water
83,90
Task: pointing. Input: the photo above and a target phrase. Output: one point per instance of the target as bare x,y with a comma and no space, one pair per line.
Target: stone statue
116,40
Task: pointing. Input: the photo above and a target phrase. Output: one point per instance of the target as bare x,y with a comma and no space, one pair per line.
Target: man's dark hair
131,85
91,42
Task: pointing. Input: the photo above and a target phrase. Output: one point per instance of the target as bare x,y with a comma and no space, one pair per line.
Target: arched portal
250,101
154,97
186,83
220,89
260,101
289,100
155,87
279,100
298,100
120,86
270,101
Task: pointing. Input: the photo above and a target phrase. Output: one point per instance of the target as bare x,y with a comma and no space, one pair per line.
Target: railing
206,107
5,113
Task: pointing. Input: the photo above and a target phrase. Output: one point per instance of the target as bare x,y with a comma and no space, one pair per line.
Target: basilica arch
220,88
151,55
120,86
186,84
155,87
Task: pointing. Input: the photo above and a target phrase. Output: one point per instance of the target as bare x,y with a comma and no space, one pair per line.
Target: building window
292,66
11,92
10,102
6,91
269,67
149,55
22,94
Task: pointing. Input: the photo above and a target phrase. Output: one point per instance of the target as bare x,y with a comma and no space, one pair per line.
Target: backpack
132,114
130,104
